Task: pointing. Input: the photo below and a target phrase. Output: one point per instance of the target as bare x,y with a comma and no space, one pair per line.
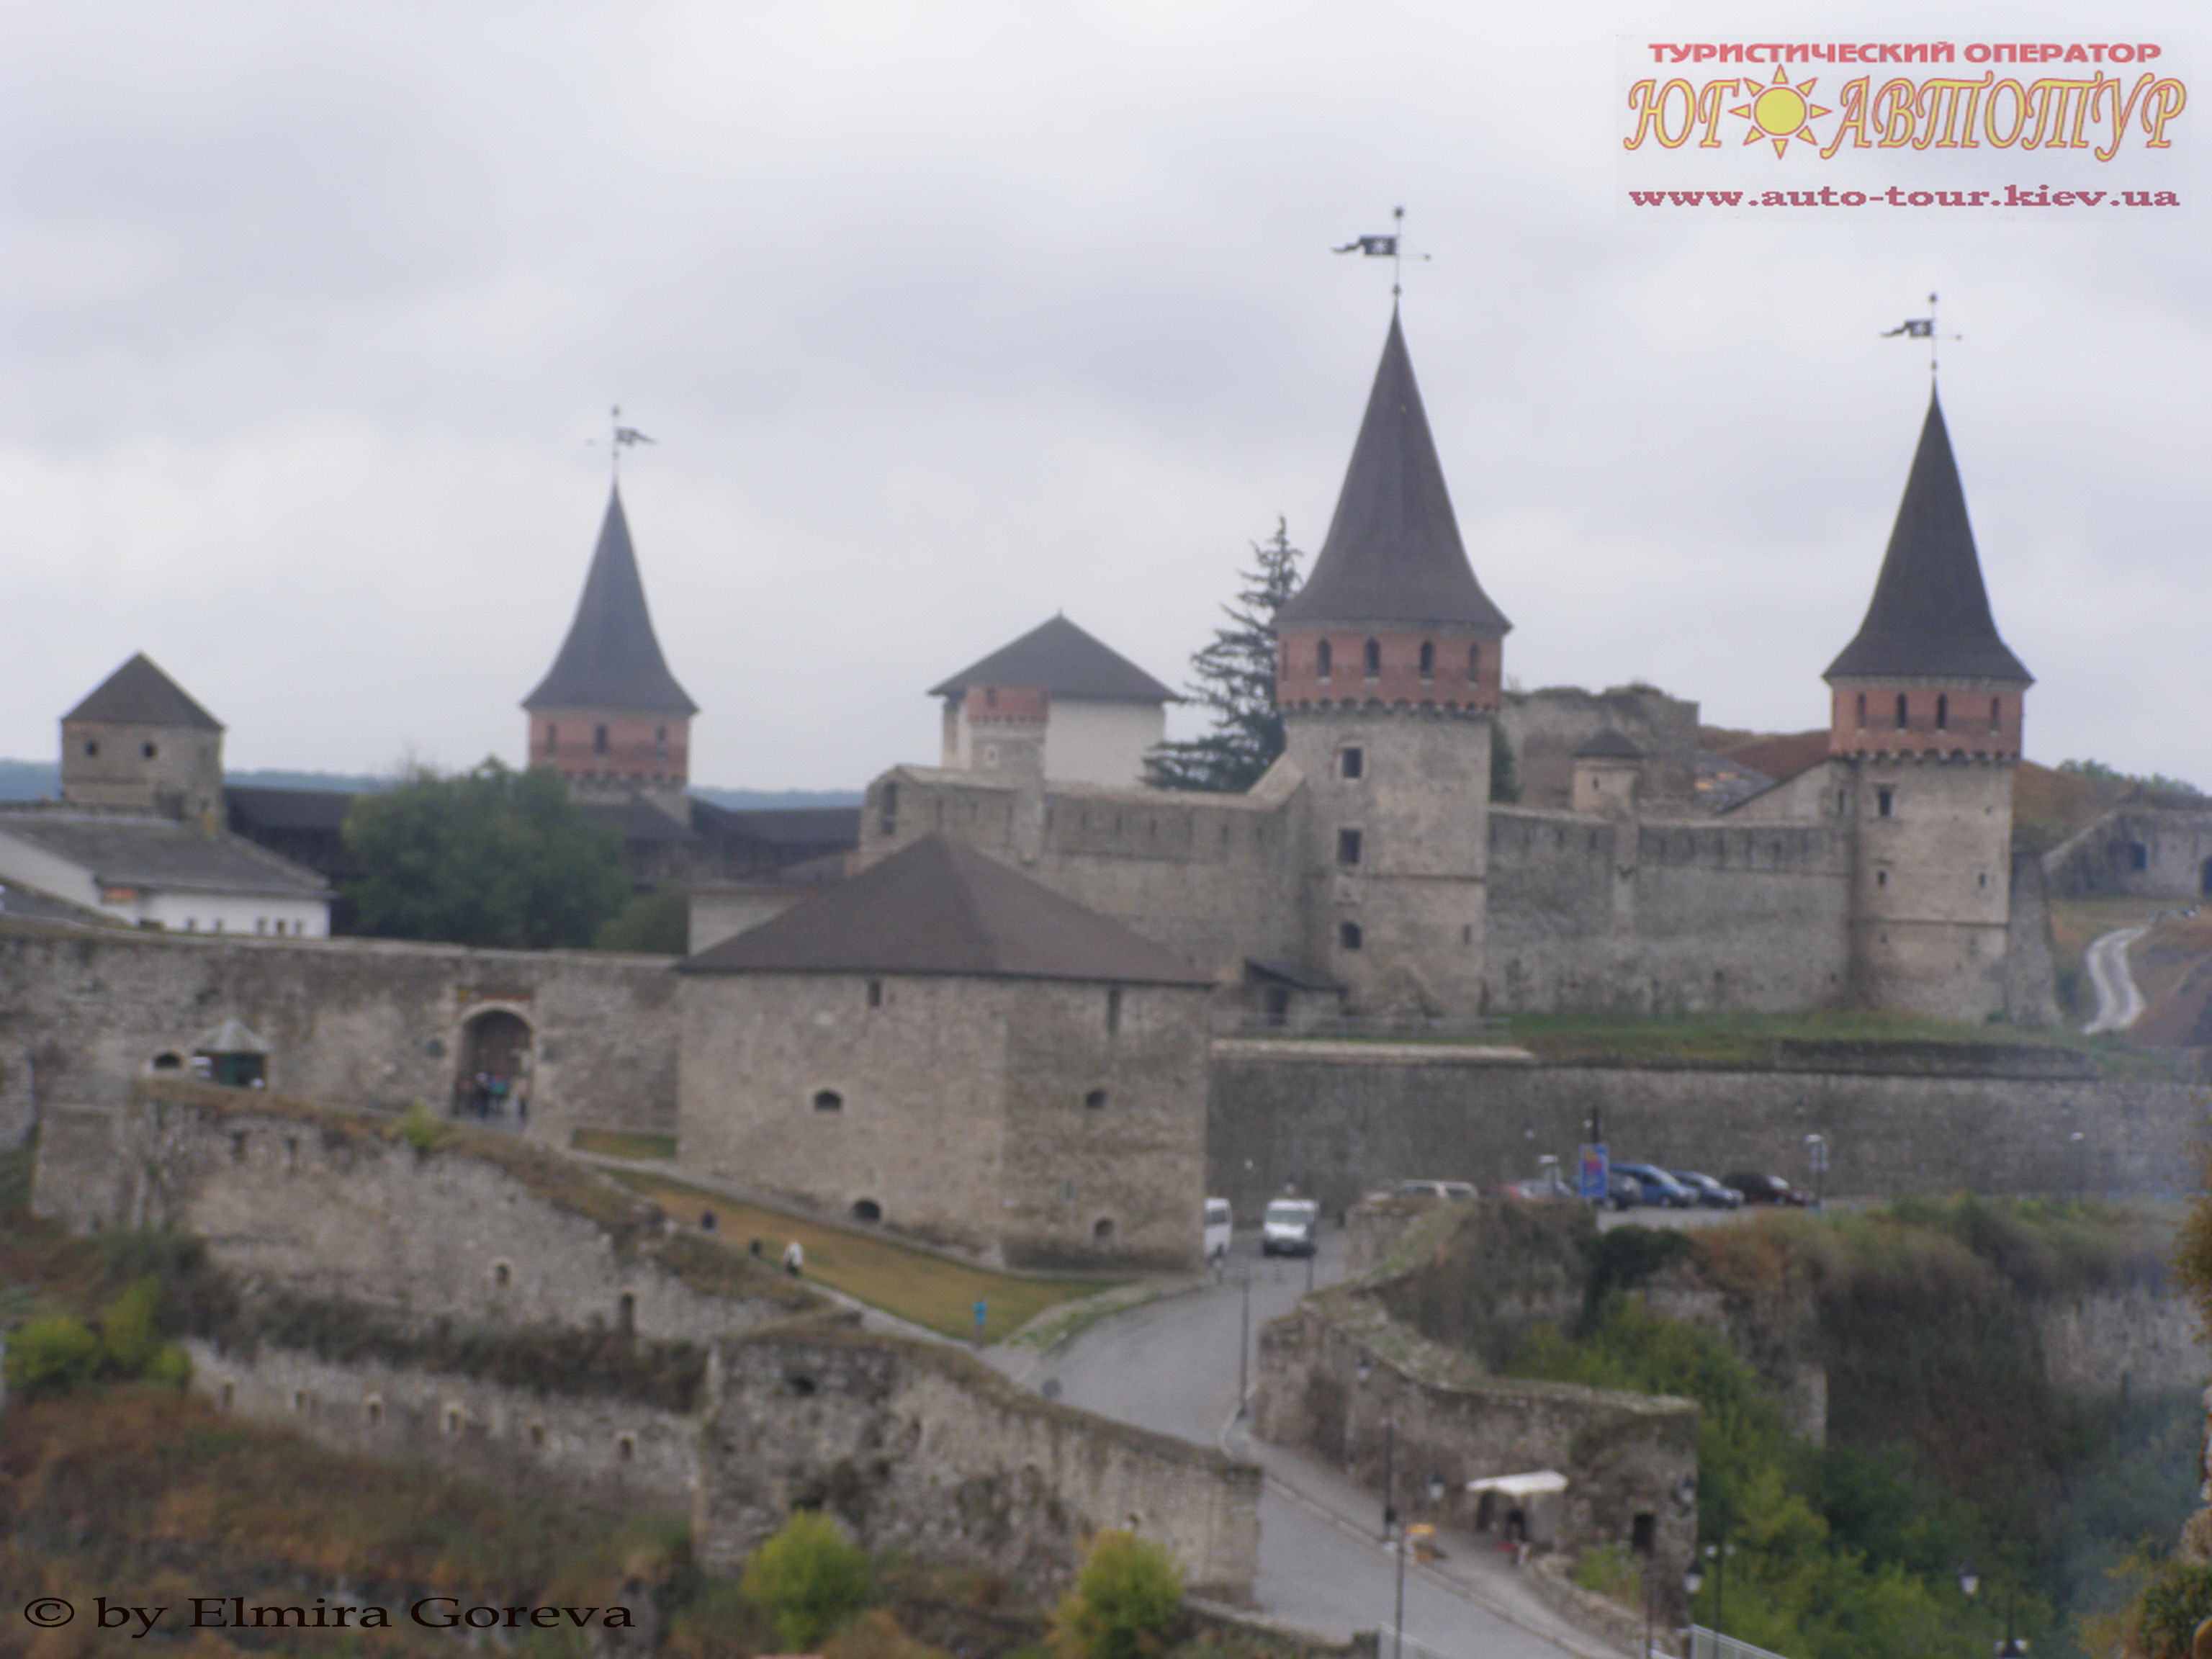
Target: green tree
808,1578
490,857
52,1355
1505,775
1234,676
1127,1602
657,923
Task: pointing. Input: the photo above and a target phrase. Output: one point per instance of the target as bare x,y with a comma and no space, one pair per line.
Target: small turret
140,742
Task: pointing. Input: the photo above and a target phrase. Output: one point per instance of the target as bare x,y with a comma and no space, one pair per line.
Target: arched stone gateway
492,1079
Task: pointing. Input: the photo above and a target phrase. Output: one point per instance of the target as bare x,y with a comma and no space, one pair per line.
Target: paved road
1171,1365
2119,1003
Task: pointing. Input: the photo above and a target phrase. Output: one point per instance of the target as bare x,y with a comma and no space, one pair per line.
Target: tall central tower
609,716
1925,718
1388,677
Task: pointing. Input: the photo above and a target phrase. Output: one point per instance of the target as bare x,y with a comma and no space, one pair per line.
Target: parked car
1623,1191
1766,1189
1220,1222
1660,1189
1551,1185
1434,1189
1710,1193
1291,1226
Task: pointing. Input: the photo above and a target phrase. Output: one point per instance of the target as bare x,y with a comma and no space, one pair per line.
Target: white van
1291,1226
1218,1221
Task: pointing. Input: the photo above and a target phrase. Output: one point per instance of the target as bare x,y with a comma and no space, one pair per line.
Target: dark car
1623,1191
1710,1193
1661,1190
1766,1189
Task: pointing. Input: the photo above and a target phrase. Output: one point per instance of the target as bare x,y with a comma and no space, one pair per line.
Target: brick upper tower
610,717
1389,671
1925,723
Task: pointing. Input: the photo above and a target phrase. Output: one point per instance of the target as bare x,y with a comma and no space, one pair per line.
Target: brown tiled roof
1930,614
936,906
140,694
1394,553
1060,658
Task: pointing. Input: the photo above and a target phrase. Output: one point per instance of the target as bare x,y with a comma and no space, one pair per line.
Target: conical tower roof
1930,614
1394,554
610,658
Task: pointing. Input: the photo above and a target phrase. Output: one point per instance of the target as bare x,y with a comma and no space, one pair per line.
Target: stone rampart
1341,1120
1662,917
365,1022
2146,851
339,1205
1335,1371
606,1451
917,1446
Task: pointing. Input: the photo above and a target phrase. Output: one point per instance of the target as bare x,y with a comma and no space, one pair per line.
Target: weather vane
624,438
1390,247
1922,328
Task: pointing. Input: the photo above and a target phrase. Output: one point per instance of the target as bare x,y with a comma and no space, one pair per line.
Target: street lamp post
1718,1555
1692,1582
1816,1152
2081,1163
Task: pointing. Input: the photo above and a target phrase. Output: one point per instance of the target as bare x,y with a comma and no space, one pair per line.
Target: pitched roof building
938,907
140,741
1058,702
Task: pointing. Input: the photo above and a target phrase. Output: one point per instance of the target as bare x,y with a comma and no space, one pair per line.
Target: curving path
2120,1002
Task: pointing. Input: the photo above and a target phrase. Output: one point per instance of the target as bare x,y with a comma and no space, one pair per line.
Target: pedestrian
755,1247
793,1258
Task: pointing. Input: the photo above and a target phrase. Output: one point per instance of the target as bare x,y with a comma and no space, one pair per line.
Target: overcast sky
946,318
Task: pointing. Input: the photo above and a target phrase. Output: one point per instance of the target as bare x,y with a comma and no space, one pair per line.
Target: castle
1370,870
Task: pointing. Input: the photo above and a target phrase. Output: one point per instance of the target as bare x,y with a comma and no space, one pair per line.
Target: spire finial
1923,328
1391,248
623,437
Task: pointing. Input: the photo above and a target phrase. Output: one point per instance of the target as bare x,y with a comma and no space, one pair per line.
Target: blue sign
1592,1170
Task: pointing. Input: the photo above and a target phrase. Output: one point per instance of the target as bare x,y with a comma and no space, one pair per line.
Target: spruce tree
1234,676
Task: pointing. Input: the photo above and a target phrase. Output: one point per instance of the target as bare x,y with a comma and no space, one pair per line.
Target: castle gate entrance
492,1078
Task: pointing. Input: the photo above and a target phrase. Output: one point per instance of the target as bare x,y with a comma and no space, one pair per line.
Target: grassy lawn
623,1143
1750,1039
914,1285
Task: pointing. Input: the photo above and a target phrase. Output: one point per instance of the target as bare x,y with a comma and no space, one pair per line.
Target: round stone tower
1388,676
1925,716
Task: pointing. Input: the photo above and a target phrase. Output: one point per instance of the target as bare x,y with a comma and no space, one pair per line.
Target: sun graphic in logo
1781,111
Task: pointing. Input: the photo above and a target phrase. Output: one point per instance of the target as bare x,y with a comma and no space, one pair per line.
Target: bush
1127,1603
52,1355
808,1578
657,923
419,1129
1610,1571
2175,1601
129,1340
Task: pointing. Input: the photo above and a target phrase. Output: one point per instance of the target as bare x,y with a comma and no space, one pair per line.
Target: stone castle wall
304,1200
1339,1120
914,1444
361,1023
1014,1118
1213,877
1625,1455
1664,917
602,1450
2145,852
917,1446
